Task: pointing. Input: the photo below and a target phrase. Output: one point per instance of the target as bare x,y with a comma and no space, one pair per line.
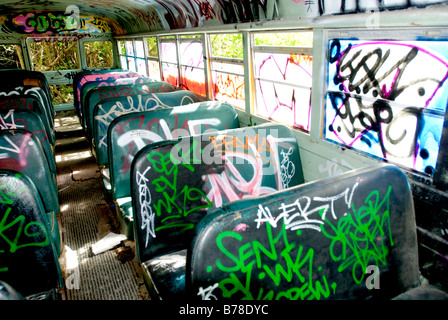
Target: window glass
152,47
170,71
388,99
283,75
153,58
192,64
139,49
227,68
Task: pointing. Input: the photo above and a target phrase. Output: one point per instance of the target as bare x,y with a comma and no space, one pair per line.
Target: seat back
21,151
32,122
174,184
29,261
86,100
352,236
97,95
13,78
21,101
85,77
131,132
107,110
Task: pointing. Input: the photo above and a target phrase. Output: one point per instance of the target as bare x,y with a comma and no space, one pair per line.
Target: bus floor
87,215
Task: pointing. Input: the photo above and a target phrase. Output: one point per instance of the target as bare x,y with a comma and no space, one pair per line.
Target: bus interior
223,149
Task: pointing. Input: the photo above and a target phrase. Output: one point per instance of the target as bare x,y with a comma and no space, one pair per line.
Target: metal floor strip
88,276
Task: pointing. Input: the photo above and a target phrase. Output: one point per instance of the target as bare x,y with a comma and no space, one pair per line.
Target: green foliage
152,47
289,39
52,55
11,57
99,54
229,45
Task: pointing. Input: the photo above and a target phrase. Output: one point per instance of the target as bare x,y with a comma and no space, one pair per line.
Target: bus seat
351,236
13,78
97,95
22,102
88,87
30,121
129,133
29,259
175,183
21,151
97,76
109,109
9,293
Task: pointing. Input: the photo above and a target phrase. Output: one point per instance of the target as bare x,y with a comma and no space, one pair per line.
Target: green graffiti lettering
254,260
176,201
22,229
359,239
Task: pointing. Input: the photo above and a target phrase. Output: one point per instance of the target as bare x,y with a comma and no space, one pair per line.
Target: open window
11,57
55,56
99,54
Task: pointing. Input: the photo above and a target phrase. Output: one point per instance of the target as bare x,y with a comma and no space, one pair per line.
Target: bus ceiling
126,17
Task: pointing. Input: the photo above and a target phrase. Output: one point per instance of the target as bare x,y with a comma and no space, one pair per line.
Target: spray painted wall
133,16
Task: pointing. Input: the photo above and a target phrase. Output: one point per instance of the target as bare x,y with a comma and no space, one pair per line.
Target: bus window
122,54
130,55
140,60
170,71
11,57
192,64
50,55
153,58
283,75
54,55
227,68
388,99
98,54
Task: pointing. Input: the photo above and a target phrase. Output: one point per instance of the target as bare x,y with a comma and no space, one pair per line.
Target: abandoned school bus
212,150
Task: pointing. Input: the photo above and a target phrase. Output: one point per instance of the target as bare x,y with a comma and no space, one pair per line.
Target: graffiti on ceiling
134,16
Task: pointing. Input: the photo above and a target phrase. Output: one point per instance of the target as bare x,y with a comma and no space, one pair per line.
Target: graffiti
157,130
277,98
233,11
107,113
301,210
206,11
353,6
108,90
144,199
382,100
107,77
150,18
15,231
178,186
41,22
192,61
370,223
251,257
68,37
8,121
290,269
178,15
177,198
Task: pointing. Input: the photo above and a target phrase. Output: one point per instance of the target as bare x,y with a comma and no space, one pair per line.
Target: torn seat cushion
165,275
